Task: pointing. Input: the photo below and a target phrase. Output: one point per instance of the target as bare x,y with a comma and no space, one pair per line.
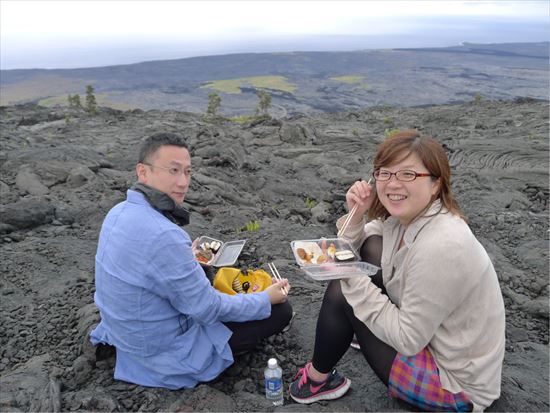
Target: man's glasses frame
172,170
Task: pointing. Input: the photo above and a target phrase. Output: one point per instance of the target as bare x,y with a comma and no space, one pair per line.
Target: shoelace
303,377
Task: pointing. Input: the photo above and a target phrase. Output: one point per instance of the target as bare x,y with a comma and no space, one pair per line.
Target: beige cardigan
443,293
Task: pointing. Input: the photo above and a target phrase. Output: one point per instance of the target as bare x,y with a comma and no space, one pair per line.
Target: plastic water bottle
274,382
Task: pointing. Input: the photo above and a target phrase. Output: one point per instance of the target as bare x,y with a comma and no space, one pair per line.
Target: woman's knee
371,250
333,294
333,291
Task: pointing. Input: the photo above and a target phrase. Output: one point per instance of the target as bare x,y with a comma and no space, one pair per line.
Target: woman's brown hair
432,155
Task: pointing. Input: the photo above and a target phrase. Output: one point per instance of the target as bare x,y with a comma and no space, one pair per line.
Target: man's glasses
172,170
404,176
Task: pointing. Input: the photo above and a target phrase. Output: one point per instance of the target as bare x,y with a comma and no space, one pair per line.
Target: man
170,327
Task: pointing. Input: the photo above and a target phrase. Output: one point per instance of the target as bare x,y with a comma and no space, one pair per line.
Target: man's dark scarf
163,203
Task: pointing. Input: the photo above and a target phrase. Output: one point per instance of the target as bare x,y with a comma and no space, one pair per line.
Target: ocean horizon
100,53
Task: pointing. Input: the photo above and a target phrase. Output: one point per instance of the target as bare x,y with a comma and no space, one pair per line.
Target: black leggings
248,334
337,324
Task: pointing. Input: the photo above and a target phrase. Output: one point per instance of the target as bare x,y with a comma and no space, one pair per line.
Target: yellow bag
233,281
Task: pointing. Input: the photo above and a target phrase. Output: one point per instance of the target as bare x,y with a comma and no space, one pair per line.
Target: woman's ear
436,187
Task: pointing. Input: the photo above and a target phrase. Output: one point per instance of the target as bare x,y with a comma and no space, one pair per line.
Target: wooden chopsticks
349,217
276,275
347,221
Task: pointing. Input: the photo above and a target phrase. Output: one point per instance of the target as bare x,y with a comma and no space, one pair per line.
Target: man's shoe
304,390
287,327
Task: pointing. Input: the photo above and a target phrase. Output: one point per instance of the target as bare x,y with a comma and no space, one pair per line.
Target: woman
431,322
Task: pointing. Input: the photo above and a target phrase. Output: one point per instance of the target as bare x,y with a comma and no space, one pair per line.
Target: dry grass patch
356,81
40,86
259,82
351,79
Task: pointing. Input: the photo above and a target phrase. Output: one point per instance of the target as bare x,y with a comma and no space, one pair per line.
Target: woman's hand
361,193
275,291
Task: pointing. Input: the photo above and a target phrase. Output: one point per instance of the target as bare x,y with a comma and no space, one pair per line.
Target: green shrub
214,102
310,203
477,98
389,133
74,101
264,102
243,119
91,104
253,225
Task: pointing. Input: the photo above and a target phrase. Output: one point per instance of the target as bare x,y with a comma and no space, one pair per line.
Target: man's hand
276,293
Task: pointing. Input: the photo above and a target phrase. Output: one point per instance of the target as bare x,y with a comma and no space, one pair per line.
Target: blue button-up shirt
157,306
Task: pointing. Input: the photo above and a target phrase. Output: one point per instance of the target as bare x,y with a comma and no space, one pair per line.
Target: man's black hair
154,142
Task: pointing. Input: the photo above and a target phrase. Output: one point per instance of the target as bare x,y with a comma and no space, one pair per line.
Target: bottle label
273,385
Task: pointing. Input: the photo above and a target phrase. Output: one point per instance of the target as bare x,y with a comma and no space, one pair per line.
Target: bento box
329,259
210,251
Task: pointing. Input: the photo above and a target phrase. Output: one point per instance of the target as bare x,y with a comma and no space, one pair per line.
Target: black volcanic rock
262,171
315,81
27,213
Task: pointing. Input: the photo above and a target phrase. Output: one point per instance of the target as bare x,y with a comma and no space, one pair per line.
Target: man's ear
141,172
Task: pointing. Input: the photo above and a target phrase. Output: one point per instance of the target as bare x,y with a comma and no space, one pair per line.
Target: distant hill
299,82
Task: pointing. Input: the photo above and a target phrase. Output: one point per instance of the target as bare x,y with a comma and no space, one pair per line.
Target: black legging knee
337,324
371,252
247,335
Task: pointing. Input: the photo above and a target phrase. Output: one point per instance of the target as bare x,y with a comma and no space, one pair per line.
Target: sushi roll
344,255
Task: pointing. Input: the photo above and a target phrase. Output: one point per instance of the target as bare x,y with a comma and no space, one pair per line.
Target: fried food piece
304,256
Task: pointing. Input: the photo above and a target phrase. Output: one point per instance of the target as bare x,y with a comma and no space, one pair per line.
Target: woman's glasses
404,176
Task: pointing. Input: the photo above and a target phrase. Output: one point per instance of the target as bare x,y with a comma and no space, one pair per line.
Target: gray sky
55,33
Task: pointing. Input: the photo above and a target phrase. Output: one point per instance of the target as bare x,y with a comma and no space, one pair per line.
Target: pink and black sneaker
305,391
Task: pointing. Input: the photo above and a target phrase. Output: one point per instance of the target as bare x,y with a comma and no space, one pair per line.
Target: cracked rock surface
58,180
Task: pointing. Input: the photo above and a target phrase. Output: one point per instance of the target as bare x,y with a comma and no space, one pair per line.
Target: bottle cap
272,363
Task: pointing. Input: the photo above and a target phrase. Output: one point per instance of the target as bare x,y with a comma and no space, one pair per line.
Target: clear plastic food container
222,254
329,259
